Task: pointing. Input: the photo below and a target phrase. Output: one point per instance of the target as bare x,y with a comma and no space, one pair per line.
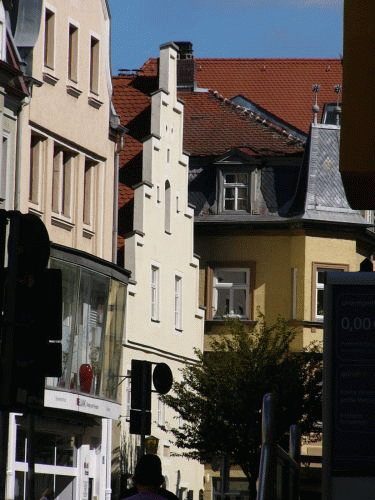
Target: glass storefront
93,322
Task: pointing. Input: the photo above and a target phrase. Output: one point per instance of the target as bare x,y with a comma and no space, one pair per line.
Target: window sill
62,223
50,78
215,325
178,331
95,103
88,233
155,320
73,91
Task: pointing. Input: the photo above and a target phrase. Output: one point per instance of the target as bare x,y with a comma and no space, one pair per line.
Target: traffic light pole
4,435
8,302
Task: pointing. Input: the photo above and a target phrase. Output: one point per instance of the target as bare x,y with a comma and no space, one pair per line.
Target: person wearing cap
148,480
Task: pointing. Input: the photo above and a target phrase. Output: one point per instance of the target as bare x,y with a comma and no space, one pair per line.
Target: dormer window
331,114
236,191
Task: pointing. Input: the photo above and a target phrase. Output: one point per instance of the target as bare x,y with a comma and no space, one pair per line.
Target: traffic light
141,375
31,317
357,145
140,413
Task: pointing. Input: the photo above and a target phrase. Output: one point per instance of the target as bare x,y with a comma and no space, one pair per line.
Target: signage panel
348,381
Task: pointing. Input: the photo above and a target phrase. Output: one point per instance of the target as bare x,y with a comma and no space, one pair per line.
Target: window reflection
93,319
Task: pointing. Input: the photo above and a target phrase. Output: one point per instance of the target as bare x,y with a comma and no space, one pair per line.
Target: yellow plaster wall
274,257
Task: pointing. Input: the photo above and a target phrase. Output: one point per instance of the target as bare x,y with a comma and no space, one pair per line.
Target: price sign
349,384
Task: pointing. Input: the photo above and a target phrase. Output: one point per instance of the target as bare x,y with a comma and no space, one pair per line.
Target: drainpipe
19,136
108,490
119,146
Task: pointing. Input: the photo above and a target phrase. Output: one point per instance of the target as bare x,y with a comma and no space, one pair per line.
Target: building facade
67,141
164,322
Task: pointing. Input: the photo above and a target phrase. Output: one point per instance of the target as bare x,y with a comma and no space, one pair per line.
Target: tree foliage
220,397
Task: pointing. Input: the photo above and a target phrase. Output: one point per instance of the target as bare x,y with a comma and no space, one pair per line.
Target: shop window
93,319
49,39
319,271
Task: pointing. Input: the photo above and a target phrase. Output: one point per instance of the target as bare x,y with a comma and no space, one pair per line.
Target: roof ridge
245,112
308,59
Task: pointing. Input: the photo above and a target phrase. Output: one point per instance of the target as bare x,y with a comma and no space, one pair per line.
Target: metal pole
4,433
30,433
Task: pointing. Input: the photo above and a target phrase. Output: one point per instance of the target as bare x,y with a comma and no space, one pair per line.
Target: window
319,271
88,191
178,302
49,39
94,65
73,53
36,163
235,191
62,181
4,170
331,116
231,292
161,413
167,207
155,279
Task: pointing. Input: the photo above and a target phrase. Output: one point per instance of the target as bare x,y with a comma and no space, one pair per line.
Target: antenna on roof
315,89
338,89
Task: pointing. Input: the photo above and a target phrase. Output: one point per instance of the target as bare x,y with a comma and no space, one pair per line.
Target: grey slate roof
320,180
309,190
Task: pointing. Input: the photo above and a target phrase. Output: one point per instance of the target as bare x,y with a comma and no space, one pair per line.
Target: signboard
349,378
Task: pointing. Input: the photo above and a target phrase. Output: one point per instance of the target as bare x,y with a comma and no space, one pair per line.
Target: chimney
185,66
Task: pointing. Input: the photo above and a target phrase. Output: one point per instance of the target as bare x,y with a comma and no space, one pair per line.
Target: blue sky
225,28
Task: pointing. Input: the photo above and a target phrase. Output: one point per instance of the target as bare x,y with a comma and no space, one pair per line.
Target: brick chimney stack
185,66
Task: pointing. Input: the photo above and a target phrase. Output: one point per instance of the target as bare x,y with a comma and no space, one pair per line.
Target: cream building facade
164,322
68,139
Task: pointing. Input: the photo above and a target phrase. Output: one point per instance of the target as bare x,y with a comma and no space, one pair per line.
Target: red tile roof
281,86
213,126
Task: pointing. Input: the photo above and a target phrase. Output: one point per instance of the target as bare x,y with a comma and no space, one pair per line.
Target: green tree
220,397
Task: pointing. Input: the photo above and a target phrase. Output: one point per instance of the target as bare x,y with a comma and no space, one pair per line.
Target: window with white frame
155,283
49,39
62,181
235,194
178,302
240,190
231,292
319,271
